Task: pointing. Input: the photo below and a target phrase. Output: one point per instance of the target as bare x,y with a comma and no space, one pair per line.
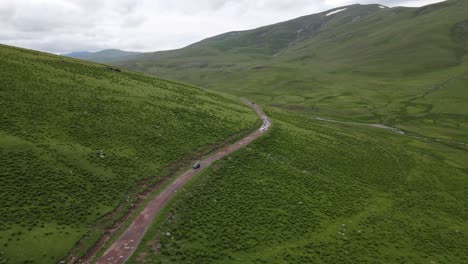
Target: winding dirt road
393,129
121,250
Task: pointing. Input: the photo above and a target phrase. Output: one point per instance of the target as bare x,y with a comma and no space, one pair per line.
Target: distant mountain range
103,56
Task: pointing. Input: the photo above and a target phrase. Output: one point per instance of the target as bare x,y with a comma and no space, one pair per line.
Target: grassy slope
314,192
364,63
77,137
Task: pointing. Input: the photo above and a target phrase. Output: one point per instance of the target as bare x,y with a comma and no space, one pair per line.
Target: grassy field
315,192
364,64
78,139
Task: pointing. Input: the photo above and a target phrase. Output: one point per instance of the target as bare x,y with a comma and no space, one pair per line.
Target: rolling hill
103,56
401,66
80,141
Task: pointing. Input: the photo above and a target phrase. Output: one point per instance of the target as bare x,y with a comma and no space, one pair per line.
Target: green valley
336,137
365,63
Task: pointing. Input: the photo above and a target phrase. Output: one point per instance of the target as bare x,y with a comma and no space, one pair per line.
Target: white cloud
146,25
415,3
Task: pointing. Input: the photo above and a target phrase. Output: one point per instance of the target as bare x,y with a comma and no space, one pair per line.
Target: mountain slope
103,56
79,140
365,63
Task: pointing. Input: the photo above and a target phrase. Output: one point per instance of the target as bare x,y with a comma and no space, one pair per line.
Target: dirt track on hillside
394,129
121,250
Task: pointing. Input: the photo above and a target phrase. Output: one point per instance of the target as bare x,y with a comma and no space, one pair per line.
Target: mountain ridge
102,56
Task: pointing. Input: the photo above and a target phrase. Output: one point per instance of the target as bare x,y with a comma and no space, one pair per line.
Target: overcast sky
60,26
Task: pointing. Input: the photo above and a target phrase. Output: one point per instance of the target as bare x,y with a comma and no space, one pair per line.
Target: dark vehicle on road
196,165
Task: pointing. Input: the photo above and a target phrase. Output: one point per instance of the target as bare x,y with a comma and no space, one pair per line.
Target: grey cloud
133,21
7,11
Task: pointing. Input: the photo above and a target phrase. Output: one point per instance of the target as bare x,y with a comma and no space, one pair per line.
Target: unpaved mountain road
121,250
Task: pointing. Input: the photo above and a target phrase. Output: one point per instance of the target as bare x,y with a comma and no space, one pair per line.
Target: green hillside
314,192
400,66
78,139
83,143
103,56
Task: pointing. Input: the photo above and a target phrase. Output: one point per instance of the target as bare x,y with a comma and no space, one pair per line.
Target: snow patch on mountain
336,11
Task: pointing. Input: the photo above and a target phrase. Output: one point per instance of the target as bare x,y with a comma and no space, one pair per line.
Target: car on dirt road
196,165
